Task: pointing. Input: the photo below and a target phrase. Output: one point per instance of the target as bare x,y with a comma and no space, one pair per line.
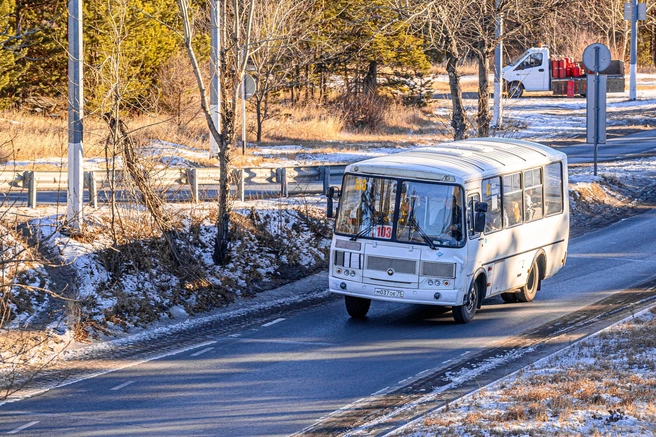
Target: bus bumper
391,293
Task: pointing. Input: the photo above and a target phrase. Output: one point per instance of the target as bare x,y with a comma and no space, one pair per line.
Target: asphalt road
278,377
630,146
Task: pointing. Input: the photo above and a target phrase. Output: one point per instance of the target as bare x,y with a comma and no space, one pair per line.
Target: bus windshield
428,213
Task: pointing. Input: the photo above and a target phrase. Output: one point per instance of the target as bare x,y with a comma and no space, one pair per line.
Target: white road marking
125,384
447,361
381,391
313,343
234,335
266,325
207,349
20,428
464,353
30,394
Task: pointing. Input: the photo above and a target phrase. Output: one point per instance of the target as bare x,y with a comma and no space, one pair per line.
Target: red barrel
554,68
576,71
568,71
570,88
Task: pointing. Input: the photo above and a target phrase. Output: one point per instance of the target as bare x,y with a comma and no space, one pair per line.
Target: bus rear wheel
465,313
527,292
357,307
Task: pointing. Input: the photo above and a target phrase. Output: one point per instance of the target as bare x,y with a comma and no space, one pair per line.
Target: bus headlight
352,272
346,272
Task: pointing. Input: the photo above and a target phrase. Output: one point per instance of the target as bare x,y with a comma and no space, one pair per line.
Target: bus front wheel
527,292
357,307
465,313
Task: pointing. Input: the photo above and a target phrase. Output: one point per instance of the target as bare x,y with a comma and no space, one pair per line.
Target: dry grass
27,138
602,381
468,67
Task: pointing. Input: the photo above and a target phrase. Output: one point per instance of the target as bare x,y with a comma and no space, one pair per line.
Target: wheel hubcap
471,299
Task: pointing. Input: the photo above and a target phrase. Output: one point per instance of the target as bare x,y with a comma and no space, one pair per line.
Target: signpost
596,57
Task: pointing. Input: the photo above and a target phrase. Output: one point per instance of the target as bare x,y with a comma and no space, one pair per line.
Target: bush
364,112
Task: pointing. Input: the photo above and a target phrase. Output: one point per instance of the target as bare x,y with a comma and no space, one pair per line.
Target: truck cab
528,72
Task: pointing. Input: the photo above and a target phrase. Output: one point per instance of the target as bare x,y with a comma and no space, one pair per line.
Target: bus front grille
442,270
382,264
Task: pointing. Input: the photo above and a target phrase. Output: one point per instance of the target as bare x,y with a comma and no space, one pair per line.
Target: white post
75,116
634,50
215,72
497,116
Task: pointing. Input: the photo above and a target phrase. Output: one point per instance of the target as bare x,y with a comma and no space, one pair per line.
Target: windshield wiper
367,229
422,233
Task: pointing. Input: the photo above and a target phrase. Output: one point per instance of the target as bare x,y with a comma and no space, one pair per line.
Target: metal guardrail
306,180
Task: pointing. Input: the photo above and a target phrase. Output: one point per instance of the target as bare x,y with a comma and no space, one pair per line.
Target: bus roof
461,161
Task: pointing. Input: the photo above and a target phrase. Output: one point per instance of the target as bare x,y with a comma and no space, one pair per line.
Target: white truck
536,70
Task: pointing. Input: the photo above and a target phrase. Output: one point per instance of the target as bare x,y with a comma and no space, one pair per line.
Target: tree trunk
258,118
220,254
371,79
459,117
483,116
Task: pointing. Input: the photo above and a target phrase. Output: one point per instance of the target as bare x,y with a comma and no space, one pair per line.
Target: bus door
493,247
477,250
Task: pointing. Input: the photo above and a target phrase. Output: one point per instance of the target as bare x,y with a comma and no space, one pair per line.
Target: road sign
596,57
594,63
250,88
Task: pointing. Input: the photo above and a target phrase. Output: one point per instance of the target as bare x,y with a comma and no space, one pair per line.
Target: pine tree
7,56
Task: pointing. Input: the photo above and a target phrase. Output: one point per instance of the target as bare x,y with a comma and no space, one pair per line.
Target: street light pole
75,116
497,116
634,50
215,72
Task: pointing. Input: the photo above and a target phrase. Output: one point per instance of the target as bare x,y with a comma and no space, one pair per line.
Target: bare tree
445,28
233,61
278,35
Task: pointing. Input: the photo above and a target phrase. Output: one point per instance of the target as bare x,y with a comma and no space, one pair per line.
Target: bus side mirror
479,222
332,193
479,217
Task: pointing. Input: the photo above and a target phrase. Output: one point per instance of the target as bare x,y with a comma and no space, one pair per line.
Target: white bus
451,225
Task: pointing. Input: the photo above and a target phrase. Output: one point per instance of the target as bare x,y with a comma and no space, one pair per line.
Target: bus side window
553,188
492,196
533,194
512,200
471,214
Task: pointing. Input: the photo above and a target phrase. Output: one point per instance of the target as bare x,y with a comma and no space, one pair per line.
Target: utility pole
497,116
634,11
75,191
634,50
215,72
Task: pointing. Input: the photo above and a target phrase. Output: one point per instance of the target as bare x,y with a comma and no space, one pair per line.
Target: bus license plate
388,293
